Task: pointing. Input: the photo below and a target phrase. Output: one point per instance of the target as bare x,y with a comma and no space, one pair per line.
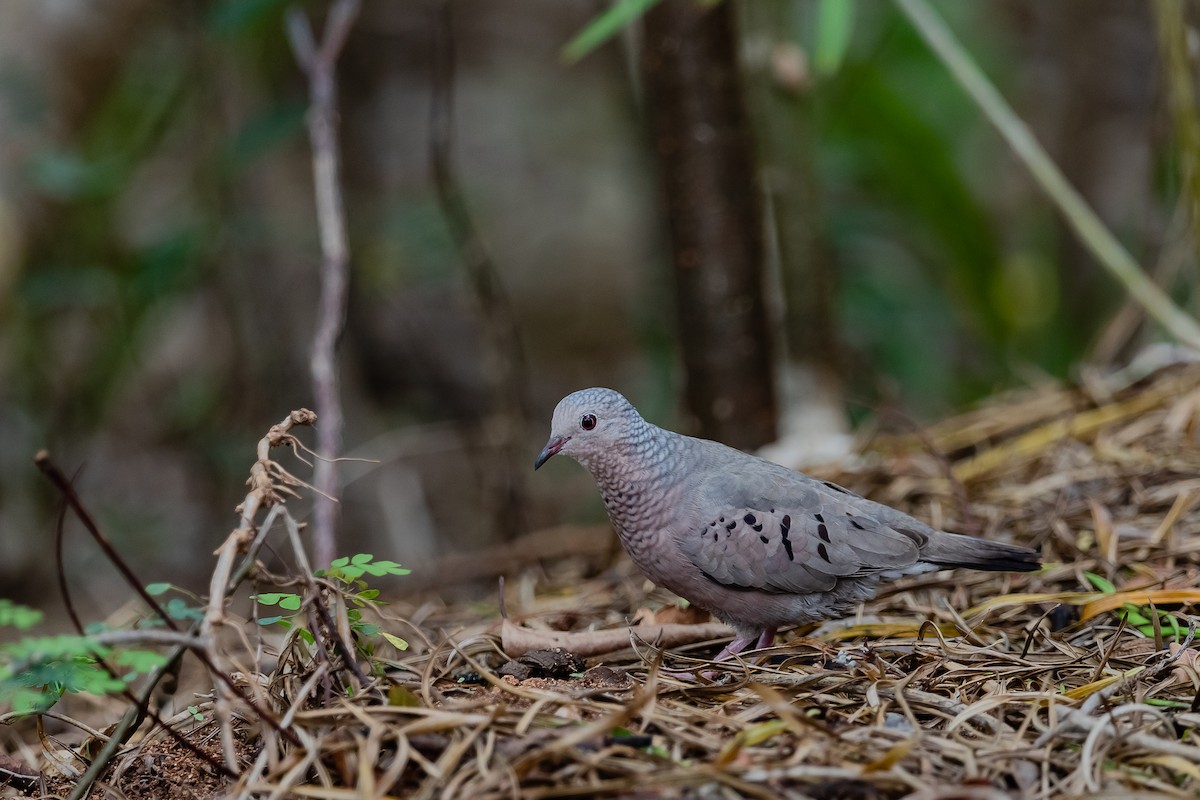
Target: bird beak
553,446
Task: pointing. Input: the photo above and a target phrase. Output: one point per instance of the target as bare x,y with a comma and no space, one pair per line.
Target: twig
67,489
1104,246
140,706
319,65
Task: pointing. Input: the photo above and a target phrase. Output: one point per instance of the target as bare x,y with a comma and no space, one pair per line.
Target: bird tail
952,550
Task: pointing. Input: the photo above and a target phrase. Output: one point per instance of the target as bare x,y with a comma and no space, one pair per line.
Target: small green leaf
368,629
291,602
306,635
140,660
178,608
337,563
270,620
402,697
395,641
386,568
18,616
155,589
269,599
195,712
362,558
604,27
1102,584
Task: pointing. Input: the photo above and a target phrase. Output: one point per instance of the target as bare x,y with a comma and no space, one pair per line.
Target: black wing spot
749,519
716,537
818,518
835,487
823,532
730,526
763,539
758,527
784,526
823,552
722,520
854,522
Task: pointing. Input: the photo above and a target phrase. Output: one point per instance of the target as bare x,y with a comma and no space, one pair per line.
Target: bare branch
318,63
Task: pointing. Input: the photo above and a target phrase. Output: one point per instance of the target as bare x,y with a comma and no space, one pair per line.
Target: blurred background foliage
158,250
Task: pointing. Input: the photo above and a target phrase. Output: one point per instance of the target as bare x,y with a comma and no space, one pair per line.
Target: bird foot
734,648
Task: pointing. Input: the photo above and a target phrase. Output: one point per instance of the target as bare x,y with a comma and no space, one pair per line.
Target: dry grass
956,685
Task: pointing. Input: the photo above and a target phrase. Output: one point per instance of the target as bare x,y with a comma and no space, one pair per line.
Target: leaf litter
1078,680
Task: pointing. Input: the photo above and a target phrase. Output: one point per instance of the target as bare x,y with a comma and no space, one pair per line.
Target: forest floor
1078,680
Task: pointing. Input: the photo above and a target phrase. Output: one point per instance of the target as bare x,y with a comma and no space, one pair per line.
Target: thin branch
319,63
1095,236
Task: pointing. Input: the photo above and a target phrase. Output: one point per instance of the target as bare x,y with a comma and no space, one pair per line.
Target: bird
755,544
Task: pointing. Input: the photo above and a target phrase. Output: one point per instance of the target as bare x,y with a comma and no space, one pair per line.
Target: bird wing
787,532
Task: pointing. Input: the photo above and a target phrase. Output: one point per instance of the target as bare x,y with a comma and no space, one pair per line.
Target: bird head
589,423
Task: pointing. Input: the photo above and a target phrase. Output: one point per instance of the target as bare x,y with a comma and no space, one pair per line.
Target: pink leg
765,640
739,644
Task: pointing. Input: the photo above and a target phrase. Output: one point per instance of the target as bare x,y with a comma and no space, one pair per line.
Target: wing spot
730,526
823,552
854,522
758,527
716,537
818,517
749,519
722,520
835,487
823,532
763,539
784,526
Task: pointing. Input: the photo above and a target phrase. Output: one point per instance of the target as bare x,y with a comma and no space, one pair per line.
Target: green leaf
306,635
403,697
291,602
272,620
140,660
1133,615
155,589
362,558
195,712
386,568
835,21
368,629
18,616
395,641
604,27
178,608
368,595
338,563
1102,584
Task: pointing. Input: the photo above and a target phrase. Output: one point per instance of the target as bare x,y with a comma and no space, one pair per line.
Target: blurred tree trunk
701,134
778,85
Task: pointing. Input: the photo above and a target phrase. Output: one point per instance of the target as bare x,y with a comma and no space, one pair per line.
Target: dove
754,543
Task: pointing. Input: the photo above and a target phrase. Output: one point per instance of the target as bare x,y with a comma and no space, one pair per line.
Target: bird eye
587,421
